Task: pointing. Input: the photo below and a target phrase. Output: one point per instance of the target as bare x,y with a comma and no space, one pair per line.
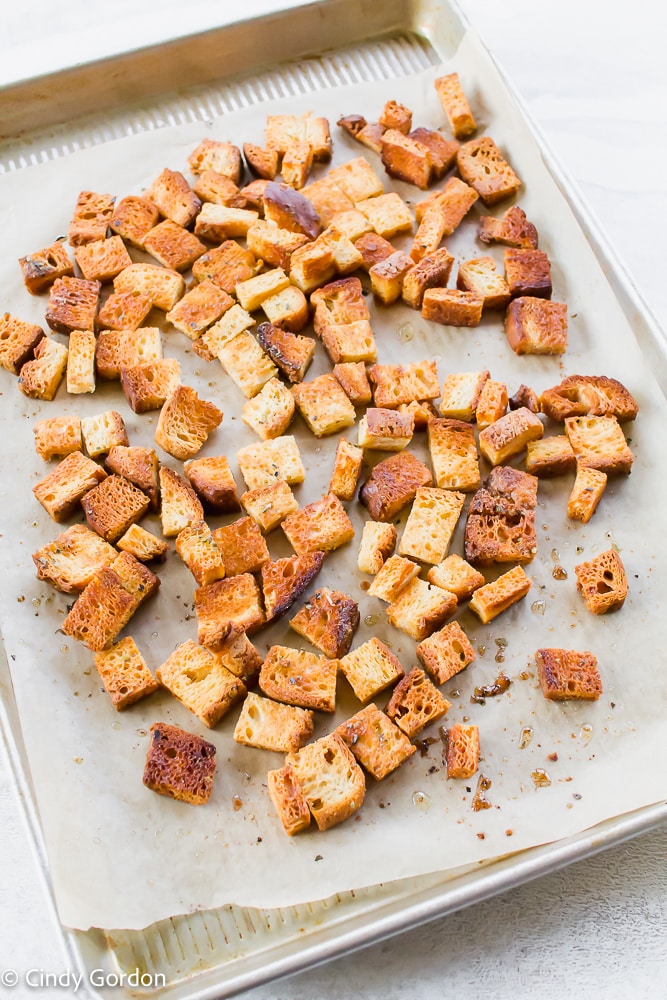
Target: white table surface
595,78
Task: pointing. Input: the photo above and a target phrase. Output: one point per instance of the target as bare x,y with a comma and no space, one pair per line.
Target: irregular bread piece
321,526
213,482
416,703
393,576
56,437
142,544
510,435
180,504
525,396
263,162
392,484
354,381
589,485
148,386
41,377
492,403
284,580
173,246
387,277
283,130
163,286
463,751
287,309
514,229
179,764
223,157
125,674
226,603
299,678
124,310
430,525
269,505
346,470
290,209
140,466
378,745
246,364
454,201
288,799
566,675
173,197
242,546
185,422
199,308
328,620
61,490
291,353
356,179
599,443
406,158
455,105
450,307
370,668
91,218
446,653
239,656
528,272
332,782
492,599
198,679
72,559
271,725
41,268
112,506
501,519
482,165
18,341
132,218
589,395
376,545
108,602
432,271
226,265
602,582
396,384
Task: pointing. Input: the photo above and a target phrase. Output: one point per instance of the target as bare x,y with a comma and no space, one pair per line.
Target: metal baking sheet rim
467,889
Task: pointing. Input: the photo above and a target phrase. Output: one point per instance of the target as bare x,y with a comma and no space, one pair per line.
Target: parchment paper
122,856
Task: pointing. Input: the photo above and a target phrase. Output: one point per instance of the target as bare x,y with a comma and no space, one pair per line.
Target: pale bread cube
270,505
324,405
299,678
287,309
296,164
457,576
103,432
421,608
262,463
232,324
460,394
550,456
599,443
270,412
454,454
196,677
252,292
393,577
270,725
387,276
376,545
198,550
430,525
370,668
481,277
282,131
246,364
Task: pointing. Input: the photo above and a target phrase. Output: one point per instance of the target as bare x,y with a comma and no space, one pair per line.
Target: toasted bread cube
405,158
135,578
72,304
589,485
430,525
40,378
551,456
269,505
164,286
373,249
173,197
388,214
287,309
102,260
288,799
454,199
536,326
321,526
482,165
378,745
492,599
124,310
103,432
18,341
220,605
242,547
284,580
420,608
179,764
396,384
271,725
588,395
198,550
42,268
56,437
296,164
567,675
283,130
393,576
385,430
125,674
118,349
602,582
299,678
234,322
377,544
450,307
222,157
420,413
180,504
528,272
263,162
217,223
431,272
351,223
112,506
370,668
332,782
509,435
262,463
455,105
481,277
174,246
252,293
226,265
248,366
457,576
102,610
138,465
430,232
91,218
463,751
443,151
446,653
327,199
501,519
324,405
392,485
328,620
148,386
396,116
415,703
525,396
270,413
599,443
215,187
454,455
197,678
357,179
460,394
311,266
368,133
292,354
492,403
239,656
132,218
250,196
514,229
185,423
346,257
341,320
354,381
290,209
142,544
274,245
72,559
387,276
346,470
214,483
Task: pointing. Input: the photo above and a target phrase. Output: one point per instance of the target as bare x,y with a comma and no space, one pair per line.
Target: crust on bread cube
270,412
324,405
311,266
180,504
528,272
282,130
287,309
198,679
492,403
135,578
460,394
249,196
454,454
288,800
431,271
198,550
174,246
239,656
430,524
138,465
125,674
271,725
385,430
568,675
132,218
185,423
242,546
525,396
396,384
272,244
510,435
41,268
215,187
421,608
321,526
262,463
463,750
550,456
450,307
357,180
387,276
217,223
72,304
18,341
213,481
234,322
118,349
284,580
56,437
589,485
393,576
588,395
455,105
223,157
262,161
446,653
112,506
296,164
148,386
226,265
103,432
353,378
416,703
41,377
536,326
225,603
143,544
392,485
72,559
248,366
124,310
481,277
102,610
296,677
179,764
269,505
332,782
290,209
602,582
327,199
328,620
513,230
407,159
92,215
482,165
102,260
291,353
61,490
376,742
376,545
388,214
492,599
599,443
457,576
173,197
164,286
501,519
346,470
370,668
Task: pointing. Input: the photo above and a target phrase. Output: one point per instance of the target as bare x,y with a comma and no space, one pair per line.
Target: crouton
91,218
148,386
450,307
415,703
125,674
430,524
219,605
223,157
351,223
287,309
142,544
217,223
346,470
290,209
299,678
602,582
588,395
282,130
248,366
420,608
72,559
226,265
112,506
536,326
463,750
528,272
103,432
566,675
525,396
296,164
61,490
251,195
492,403
385,430
56,437
270,412
599,443
393,576
378,745
262,463
288,800
430,232
513,230
41,378
327,199
392,485
430,272
311,266
377,544
455,105
357,179
340,301
453,201
132,218
72,304
284,580
420,413
239,656
41,268
454,454
324,405
354,381
124,310
460,394
233,323
457,576
274,245
269,505
139,466
102,260
396,116
332,782
388,214
406,158
443,151
197,678
118,349
319,526
328,620
270,725
387,277
501,519
370,668
174,246
482,165
493,598
252,292
373,249
163,286
551,456
136,579
396,384
480,277
198,550
180,504
18,341
179,764
345,331
446,653
102,610
292,354
242,547
589,485
368,133
174,198
263,162
185,423
215,187
509,435
214,484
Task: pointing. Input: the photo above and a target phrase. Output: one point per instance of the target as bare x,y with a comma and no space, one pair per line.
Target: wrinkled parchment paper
122,856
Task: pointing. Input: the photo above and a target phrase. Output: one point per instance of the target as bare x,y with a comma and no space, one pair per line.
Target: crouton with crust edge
270,412
460,394
446,652
42,267
420,608
112,506
148,386
272,725
72,559
396,384
599,443
103,432
290,209
536,326
354,381
102,610
392,485
332,782
450,307
180,504
92,215
173,246
385,430
185,423
18,341
416,703
370,668
163,286
61,490
321,526
432,271
138,465
179,764
102,260
125,674
242,546
284,580
454,454
492,599
550,456
296,677
492,403
463,750
589,395
40,378
269,505
377,544
455,105
197,678
288,800
173,197
589,485
81,362
509,435
132,218
223,157
213,482
324,405
602,582
480,277
513,230
225,603
565,675
406,159
346,470
376,742
328,620
290,352
482,165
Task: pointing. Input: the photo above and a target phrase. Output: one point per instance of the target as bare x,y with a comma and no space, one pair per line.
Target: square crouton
288,799
332,782
41,268
284,580
454,454
376,742
602,582
328,620
173,246
482,165
242,547
463,750
72,304
453,201
396,384
270,412
455,105
138,465
124,310
180,504
103,432
349,342
296,164
450,307
513,230
248,366
492,403
118,349
421,608
370,668
457,576
148,386
92,215
415,703
589,485
214,484
102,260
143,544
501,519
492,599
239,656
226,265
324,405
430,232
357,180
179,764
385,430
340,301
373,249
225,603
198,550
135,578
392,485
528,272
321,526
377,544
217,223
223,157
185,423
566,675
551,456
369,134
287,309
234,322
174,198
125,674
270,725
72,559
460,394
588,395
510,435
291,353
599,443
430,524
446,653
61,490
481,277
283,130
41,377
264,162
56,437
198,679
18,341
299,678
163,286
291,210
388,214
311,266
269,505
536,326
199,308
393,576
431,271
103,609
406,158
354,382
132,218
387,276
279,458
212,186
346,470
112,506
327,199
443,151
351,223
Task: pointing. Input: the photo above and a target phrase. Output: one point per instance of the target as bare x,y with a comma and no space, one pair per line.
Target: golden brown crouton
246,364
296,164
42,268
509,435
392,485
431,230
132,218
492,599
420,413
525,396
234,322
457,576
588,395
40,378
179,764
199,680
262,463
103,432
481,277
443,151
180,504
198,550
112,506
288,799
492,403
163,286
332,782
263,162
299,678
72,559
125,674
373,249
102,260
271,725
173,197
357,179
446,653
599,443
377,544
455,105
566,675
450,307
217,223
463,751
528,272
340,301
72,304
430,524
460,394
319,526
324,405
420,608
81,362
214,483
242,547
387,277
239,656
291,210
327,199
396,115
312,265
396,384
415,703
103,609
602,582
454,454
589,485
370,668
199,308
287,309
226,265
148,386
284,580
223,157
393,576
291,353
138,465
282,130
328,620
385,430
56,437
454,200
185,422
269,505
220,605
18,341
551,456
346,470
118,349
405,158
142,544
378,745
431,271
368,133
388,214
482,165
250,196
501,519
270,412
514,229
174,246
274,245
354,381
61,490
536,326
212,186
91,218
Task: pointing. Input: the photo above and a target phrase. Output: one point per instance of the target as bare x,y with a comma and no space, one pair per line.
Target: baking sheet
121,856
